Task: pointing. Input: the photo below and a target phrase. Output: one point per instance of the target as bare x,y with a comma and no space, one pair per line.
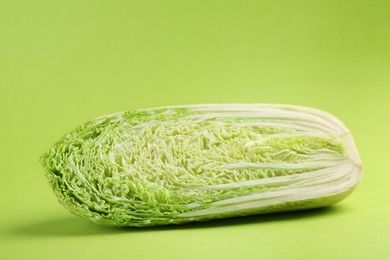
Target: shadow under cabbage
76,226
65,226
257,219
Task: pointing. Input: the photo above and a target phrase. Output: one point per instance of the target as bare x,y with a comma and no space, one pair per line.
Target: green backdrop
65,62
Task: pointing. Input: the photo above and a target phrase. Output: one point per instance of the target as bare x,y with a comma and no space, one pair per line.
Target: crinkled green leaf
179,164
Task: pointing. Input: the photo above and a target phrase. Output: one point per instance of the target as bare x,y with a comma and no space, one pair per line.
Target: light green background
65,62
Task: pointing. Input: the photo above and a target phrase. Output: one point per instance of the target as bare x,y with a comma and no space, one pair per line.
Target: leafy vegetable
192,163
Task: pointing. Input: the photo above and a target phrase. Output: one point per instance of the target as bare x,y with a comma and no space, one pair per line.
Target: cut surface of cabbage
174,165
